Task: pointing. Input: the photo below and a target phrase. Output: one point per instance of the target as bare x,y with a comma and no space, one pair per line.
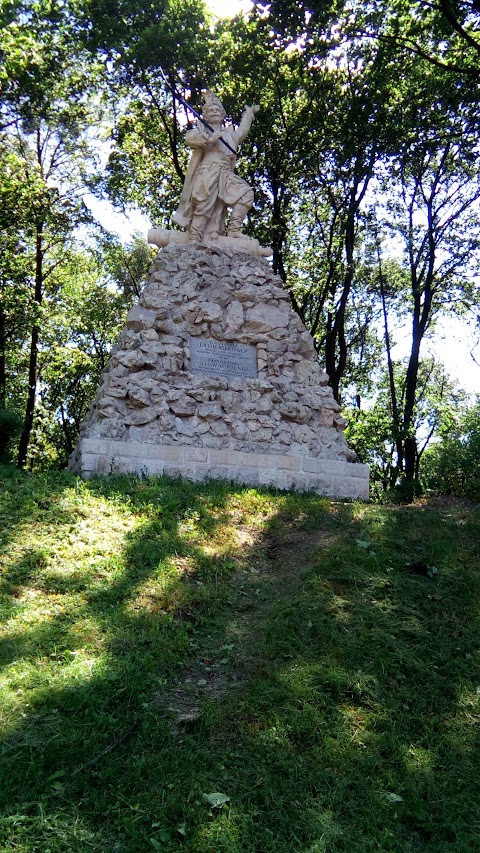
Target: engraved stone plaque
218,358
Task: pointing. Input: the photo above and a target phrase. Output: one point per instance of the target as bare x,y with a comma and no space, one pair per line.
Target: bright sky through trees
228,8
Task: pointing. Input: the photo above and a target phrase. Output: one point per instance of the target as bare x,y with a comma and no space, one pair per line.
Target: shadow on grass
102,601
355,733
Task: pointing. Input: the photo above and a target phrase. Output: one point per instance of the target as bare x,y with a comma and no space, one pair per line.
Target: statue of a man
211,185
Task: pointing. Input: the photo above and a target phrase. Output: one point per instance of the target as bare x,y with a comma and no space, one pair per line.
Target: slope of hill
212,668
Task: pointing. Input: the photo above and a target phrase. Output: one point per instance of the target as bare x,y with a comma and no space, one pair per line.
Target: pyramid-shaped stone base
215,376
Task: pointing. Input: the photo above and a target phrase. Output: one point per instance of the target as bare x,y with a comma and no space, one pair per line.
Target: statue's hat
210,98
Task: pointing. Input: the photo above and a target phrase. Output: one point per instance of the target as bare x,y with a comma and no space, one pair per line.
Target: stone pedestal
215,376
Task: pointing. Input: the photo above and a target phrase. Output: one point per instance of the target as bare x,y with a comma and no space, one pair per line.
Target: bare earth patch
275,569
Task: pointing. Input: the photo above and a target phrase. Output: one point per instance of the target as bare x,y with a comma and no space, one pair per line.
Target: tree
434,190
126,266
452,465
44,111
418,122
83,325
446,34
371,430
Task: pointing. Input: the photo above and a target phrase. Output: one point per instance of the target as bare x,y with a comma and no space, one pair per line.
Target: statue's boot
238,215
197,228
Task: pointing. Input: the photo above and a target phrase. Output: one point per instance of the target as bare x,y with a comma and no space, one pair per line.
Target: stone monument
215,376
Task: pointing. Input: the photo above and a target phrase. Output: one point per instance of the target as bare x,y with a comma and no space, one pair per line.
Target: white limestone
331,477
152,414
163,237
211,186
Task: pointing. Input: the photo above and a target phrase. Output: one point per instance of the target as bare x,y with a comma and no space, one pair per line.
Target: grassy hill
216,669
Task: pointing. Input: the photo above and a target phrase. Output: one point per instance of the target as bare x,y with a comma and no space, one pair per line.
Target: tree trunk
410,441
33,361
335,336
279,231
391,376
421,316
3,364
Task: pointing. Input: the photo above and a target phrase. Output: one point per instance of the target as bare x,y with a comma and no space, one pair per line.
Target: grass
317,663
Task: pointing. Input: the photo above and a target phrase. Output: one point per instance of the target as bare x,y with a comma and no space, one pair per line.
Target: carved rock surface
148,395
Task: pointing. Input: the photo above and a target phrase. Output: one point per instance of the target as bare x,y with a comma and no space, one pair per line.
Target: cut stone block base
329,477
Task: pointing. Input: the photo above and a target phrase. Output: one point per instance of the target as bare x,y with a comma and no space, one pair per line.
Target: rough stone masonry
215,376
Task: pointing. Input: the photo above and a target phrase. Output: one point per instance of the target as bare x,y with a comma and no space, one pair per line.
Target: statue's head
213,108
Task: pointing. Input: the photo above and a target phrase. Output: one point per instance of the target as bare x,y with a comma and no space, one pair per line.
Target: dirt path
272,570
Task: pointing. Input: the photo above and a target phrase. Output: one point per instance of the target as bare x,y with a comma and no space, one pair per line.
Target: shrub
452,467
11,425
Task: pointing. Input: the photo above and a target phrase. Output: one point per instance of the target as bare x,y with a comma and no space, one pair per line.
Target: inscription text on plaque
219,358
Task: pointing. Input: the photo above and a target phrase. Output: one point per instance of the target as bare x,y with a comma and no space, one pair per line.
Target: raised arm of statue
246,121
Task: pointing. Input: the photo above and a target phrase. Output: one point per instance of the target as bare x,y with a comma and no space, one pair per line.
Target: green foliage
446,34
369,434
377,436
139,44
10,429
127,266
79,331
452,466
387,133
50,94
140,37
405,491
